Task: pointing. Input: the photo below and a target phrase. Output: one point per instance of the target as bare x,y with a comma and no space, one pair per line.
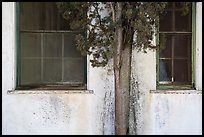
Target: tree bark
122,63
122,88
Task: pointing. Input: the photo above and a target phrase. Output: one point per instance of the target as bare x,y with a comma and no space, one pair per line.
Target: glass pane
41,16
52,45
30,71
166,21
181,70
70,49
182,23
30,45
164,70
73,70
182,45
169,5
52,70
31,15
53,19
178,5
165,49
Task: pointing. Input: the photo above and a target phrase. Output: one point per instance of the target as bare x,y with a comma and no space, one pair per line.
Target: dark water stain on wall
108,114
135,106
54,110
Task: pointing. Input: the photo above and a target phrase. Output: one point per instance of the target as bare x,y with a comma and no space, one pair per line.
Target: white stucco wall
158,112
198,47
176,114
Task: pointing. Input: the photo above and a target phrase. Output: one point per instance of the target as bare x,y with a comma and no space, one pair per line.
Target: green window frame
63,82
170,84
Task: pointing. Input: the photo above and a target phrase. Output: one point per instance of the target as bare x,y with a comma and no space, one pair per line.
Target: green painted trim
85,70
177,87
84,33
17,8
157,57
193,40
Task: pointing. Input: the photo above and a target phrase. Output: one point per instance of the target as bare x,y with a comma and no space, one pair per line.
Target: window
175,56
47,55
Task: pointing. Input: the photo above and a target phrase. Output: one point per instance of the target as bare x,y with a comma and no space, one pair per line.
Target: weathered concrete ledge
167,91
50,92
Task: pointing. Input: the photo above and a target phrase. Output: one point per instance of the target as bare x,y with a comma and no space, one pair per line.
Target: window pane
52,70
182,45
31,14
41,16
30,71
70,49
164,70
178,5
165,46
73,70
53,19
166,21
169,5
30,45
181,70
182,23
52,45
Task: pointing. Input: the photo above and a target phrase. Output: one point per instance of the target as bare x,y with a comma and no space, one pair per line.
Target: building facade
91,110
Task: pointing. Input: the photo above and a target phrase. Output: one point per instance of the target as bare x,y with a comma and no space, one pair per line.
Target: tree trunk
122,87
122,63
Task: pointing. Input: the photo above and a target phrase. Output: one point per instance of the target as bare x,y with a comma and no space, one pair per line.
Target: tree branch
98,15
113,11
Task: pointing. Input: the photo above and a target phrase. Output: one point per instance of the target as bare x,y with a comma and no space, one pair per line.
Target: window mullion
172,60
173,41
42,55
62,57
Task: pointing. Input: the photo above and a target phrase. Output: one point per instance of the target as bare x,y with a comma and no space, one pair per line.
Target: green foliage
141,18
185,7
98,40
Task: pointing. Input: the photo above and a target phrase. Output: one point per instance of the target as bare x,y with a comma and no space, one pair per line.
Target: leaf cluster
140,18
